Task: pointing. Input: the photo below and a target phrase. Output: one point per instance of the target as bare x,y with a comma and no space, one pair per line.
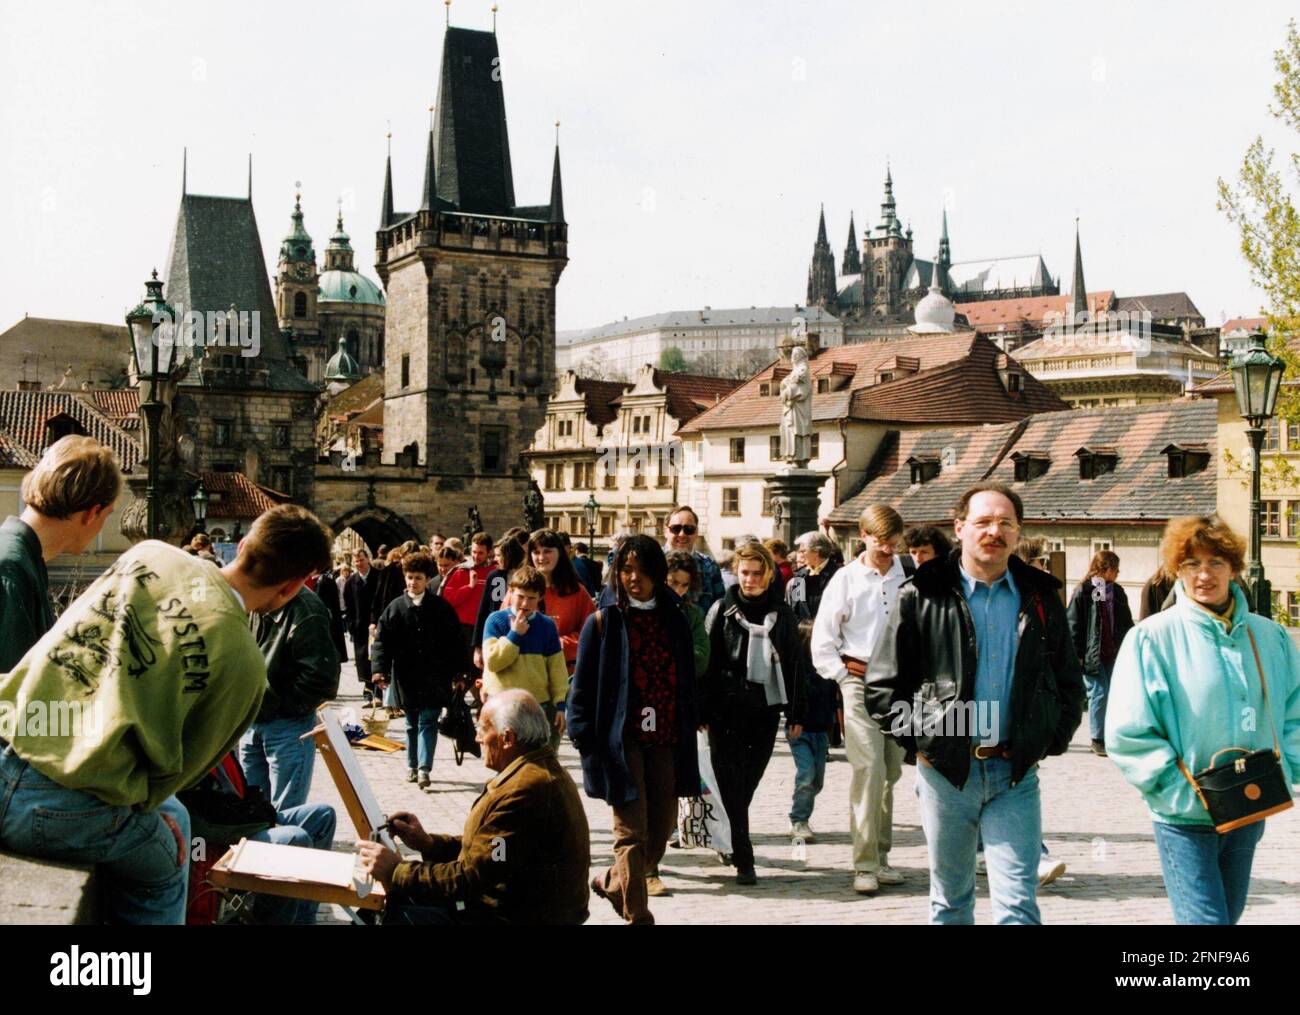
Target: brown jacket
524,854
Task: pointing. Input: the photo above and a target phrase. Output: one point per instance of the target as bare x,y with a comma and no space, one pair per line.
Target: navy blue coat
597,707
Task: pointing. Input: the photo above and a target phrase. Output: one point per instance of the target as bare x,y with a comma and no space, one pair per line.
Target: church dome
349,287
935,313
341,366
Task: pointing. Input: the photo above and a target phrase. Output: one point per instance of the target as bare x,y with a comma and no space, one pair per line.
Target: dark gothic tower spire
889,224
945,250
1079,291
429,193
557,189
852,263
386,215
821,272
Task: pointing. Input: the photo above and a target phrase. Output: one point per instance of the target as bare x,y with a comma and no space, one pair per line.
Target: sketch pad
353,786
318,875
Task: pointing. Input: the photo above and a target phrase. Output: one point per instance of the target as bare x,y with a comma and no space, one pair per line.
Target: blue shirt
995,609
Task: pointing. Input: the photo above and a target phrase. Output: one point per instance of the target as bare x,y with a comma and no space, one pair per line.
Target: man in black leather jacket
976,675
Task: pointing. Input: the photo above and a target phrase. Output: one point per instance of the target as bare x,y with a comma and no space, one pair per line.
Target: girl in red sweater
566,601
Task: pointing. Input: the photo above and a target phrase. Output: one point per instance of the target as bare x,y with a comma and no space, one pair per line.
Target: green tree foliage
672,360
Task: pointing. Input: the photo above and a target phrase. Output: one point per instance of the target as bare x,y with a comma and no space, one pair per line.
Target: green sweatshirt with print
141,685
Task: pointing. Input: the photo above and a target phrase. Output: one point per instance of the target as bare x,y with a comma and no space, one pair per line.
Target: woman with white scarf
755,674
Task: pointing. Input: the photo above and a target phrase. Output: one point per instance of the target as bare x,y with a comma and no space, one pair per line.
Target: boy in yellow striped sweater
521,648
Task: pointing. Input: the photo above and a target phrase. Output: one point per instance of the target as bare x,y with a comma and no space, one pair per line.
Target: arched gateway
378,526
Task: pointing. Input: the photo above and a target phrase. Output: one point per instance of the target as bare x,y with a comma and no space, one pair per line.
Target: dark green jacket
302,666
25,609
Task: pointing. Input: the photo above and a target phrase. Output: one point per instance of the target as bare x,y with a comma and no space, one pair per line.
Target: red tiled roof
13,455
957,382
357,398
1138,490
232,495
116,403
1032,310
691,394
1245,324
600,398
24,415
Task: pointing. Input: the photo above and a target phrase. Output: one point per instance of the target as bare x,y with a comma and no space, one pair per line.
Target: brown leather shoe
598,886
655,886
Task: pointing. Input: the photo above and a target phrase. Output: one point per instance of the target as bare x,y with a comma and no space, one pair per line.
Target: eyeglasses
1191,568
1001,524
679,530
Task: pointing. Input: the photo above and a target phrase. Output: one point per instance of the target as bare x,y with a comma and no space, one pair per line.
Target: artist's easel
363,809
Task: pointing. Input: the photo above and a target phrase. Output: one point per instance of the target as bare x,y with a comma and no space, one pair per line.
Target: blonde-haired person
1099,619
855,607
169,684
1189,683
67,499
755,674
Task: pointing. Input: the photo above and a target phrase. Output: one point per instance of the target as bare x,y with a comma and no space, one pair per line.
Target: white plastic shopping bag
701,820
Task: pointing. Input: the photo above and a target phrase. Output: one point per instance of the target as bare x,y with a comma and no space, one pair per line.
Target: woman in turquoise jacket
1185,686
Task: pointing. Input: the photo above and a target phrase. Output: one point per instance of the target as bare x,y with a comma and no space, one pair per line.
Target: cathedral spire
1079,292
557,188
889,224
250,176
821,272
386,216
852,263
945,249
185,165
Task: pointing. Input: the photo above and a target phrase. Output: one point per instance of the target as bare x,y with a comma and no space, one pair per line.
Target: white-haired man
525,852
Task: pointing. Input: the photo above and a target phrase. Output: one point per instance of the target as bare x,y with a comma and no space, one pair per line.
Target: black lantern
1257,378
200,503
593,511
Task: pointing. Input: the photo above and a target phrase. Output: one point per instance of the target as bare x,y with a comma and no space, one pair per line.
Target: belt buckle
986,753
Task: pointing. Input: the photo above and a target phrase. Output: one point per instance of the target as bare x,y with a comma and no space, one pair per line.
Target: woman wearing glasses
1200,677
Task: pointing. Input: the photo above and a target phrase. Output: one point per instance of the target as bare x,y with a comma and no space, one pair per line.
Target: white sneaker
888,876
799,830
1049,870
865,883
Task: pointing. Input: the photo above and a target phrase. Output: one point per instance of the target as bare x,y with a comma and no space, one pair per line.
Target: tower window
493,443
299,304
406,371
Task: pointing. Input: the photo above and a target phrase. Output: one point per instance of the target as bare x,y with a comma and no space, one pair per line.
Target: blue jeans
136,854
276,758
311,827
809,753
1207,875
1098,689
421,737
1008,819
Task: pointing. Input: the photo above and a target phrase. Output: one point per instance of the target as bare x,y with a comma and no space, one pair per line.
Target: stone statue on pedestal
534,507
796,410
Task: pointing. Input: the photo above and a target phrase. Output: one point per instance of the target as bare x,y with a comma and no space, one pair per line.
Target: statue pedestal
175,515
795,502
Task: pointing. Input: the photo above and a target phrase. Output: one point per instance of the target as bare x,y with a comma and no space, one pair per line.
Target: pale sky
698,139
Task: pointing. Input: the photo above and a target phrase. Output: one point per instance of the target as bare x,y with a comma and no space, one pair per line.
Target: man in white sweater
854,608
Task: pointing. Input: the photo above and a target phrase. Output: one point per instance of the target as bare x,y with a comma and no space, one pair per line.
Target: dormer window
62,425
1095,461
896,367
1010,374
1186,459
924,468
823,385
1030,465
765,388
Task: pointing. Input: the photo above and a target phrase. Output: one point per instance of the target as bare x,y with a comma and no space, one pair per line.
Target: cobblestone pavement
1092,820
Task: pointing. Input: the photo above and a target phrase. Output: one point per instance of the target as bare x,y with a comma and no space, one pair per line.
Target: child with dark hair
418,643
811,748
521,649
925,542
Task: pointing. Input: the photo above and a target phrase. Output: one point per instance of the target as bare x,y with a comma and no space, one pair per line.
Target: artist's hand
519,623
560,724
378,861
407,828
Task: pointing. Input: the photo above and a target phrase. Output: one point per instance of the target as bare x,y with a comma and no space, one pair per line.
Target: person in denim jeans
143,857
1203,677
976,675
418,646
811,747
302,673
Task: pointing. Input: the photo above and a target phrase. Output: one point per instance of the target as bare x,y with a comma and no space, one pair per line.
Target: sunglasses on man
678,530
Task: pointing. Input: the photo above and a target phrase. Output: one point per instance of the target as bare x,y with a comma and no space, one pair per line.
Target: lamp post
152,325
592,509
200,504
1257,377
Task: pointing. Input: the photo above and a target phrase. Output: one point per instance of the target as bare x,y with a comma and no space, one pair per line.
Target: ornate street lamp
1257,377
153,329
200,504
593,510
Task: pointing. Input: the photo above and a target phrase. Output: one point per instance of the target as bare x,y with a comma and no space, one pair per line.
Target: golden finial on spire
494,19
431,117
447,4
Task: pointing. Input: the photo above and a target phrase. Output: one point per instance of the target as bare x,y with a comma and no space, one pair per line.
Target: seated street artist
525,851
